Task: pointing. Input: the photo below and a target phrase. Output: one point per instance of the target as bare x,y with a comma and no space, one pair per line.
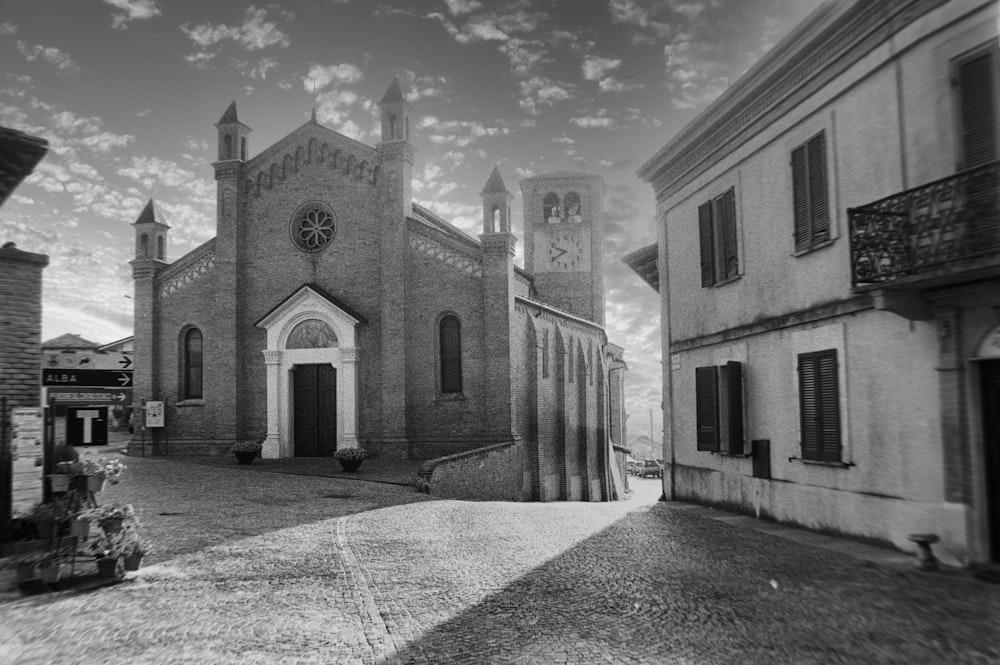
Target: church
331,311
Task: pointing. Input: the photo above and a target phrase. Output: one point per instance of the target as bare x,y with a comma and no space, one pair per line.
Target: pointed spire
495,183
151,214
229,115
313,118
394,93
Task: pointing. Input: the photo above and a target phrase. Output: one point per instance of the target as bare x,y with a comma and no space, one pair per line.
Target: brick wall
492,473
21,326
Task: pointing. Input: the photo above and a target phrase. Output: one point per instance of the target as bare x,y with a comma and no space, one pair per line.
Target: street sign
91,396
86,377
85,360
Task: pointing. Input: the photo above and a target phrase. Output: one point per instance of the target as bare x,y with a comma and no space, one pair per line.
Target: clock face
566,250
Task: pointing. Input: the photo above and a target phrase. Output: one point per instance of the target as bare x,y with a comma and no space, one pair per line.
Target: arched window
192,370
451,354
243,148
573,213
144,246
229,147
391,133
551,212
160,248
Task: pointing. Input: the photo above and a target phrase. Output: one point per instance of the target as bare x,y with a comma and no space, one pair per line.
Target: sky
127,93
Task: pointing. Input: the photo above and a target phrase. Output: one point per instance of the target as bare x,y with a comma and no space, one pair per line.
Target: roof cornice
822,47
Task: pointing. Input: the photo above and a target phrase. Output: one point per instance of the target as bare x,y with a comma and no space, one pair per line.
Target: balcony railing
944,222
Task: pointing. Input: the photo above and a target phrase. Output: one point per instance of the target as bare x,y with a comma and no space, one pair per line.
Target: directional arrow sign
87,360
91,396
76,378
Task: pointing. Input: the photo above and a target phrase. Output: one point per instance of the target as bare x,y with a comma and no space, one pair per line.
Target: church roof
230,114
495,183
151,214
394,93
69,341
19,154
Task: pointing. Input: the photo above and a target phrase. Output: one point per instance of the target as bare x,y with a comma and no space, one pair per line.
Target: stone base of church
149,447
426,448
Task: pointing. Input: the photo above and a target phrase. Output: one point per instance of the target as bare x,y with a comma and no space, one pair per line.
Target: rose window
313,227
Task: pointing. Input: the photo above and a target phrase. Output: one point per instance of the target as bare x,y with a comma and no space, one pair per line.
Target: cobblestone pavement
258,567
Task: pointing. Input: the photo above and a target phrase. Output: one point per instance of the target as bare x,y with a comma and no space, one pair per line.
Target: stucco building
332,311
829,270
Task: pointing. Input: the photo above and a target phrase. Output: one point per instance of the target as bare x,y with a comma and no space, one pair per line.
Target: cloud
262,68
50,54
7,28
525,55
132,10
459,7
421,87
595,67
601,120
539,91
319,76
457,133
254,34
334,109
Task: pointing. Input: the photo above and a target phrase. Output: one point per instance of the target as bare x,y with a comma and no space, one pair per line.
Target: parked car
649,468
630,466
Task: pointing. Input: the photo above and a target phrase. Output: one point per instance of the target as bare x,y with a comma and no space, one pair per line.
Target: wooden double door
314,409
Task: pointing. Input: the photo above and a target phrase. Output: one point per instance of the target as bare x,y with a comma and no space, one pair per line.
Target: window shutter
819,219
734,402
707,242
800,197
829,407
707,407
977,98
808,406
730,256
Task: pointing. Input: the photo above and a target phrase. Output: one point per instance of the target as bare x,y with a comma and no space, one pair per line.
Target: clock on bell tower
563,229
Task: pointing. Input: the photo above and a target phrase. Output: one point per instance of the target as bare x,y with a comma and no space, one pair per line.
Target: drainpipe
669,494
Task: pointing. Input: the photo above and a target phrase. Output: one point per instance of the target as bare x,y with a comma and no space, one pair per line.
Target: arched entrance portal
988,360
311,377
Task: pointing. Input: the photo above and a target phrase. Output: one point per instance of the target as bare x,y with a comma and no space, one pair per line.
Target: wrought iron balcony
936,230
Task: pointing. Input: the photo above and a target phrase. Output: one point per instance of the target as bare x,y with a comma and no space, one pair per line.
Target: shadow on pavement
658,587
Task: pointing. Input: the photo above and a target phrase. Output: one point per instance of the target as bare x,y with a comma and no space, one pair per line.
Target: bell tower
563,233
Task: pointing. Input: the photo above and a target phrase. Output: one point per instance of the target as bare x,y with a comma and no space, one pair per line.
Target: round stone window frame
308,225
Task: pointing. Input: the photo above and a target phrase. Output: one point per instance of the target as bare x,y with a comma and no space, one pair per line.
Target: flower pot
350,464
59,482
132,562
245,457
50,574
26,572
107,567
79,528
95,483
112,524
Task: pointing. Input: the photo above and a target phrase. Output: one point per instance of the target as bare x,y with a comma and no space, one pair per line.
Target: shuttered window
707,407
717,237
809,193
819,406
193,364
977,98
451,354
719,408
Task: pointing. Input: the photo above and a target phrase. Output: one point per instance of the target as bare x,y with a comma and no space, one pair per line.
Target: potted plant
59,481
47,517
132,547
113,471
50,568
26,567
111,517
350,458
246,451
105,555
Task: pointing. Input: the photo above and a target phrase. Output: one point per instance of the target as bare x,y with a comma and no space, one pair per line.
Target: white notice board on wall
154,414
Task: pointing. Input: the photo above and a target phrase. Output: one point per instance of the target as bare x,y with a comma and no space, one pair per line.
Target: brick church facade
330,311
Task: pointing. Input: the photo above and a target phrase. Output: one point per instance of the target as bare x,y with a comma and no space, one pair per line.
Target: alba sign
95,378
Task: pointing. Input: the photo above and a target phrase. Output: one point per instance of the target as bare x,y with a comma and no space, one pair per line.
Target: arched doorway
988,360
